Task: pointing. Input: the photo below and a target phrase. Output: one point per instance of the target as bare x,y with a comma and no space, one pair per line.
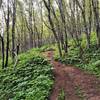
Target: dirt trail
77,84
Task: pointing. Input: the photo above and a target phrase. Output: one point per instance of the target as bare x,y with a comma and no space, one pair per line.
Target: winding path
77,84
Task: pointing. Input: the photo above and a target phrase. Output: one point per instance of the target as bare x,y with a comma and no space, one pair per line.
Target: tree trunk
2,49
48,6
13,30
95,5
7,44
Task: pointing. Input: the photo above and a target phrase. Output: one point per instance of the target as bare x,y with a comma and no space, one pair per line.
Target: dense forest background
33,23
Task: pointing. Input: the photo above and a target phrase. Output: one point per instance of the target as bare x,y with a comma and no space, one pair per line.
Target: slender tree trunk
48,6
84,19
13,30
95,5
0,3
7,44
42,28
2,50
62,14
30,24
86,31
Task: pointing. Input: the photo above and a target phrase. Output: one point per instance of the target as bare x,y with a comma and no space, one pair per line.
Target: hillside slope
32,79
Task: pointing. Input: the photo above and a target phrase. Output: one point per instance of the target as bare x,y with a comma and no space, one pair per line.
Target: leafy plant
32,80
89,61
80,93
61,95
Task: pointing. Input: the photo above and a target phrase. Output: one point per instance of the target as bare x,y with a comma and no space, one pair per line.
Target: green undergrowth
49,47
32,79
23,57
89,61
61,95
80,93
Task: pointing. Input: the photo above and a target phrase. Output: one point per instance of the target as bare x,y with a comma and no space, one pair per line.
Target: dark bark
48,6
7,44
62,14
13,30
95,5
85,22
2,50
0,3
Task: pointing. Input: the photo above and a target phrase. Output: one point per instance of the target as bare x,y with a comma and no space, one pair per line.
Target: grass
89,61
32,79
61,95
80,93
23,57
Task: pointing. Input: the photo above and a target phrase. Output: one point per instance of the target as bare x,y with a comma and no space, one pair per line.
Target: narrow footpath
77,84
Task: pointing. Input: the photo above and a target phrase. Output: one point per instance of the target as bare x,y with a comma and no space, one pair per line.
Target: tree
2,38
13,29
83,11
7,29
48,7
62,9
30,23
95,5
0,3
